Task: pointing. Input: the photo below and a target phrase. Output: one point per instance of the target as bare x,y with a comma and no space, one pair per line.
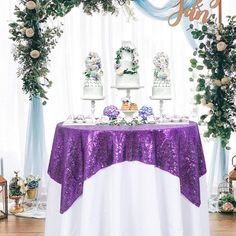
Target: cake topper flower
128,48
145,111
161,60
93,66
111,111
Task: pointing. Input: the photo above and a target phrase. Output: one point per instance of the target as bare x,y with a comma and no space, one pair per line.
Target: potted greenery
31,184
16,192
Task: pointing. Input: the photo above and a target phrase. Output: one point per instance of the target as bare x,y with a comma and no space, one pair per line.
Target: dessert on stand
127,77
161,89
93,88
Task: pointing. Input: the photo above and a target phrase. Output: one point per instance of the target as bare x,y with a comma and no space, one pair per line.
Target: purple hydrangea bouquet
111,111
145,111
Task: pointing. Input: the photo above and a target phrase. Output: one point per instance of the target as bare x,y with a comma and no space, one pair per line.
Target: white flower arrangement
93,66
161,70
119,54
161,60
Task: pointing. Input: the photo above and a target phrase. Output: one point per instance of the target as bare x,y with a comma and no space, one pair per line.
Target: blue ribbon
169,9
163,13
35,153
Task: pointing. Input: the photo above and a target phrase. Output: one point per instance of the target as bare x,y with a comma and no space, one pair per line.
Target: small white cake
92,83
161,88
127,66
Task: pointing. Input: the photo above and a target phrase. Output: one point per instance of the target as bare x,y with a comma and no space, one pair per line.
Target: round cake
92,83
161,88
127,66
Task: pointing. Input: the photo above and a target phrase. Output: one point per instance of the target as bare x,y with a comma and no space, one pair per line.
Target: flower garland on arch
216,89
34,39
118,66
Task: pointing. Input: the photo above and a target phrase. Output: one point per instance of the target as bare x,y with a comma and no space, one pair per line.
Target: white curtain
83,34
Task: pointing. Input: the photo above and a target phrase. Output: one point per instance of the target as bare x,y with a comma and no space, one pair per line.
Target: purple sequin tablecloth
79,152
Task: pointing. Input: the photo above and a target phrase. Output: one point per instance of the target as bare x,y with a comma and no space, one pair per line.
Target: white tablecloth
128,199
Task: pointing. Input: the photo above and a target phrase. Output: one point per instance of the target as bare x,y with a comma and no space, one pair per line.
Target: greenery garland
216,85
118,66
34,39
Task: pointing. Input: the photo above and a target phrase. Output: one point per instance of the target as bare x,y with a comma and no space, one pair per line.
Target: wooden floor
221,225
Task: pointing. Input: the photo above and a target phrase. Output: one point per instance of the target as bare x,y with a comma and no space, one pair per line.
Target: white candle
1,166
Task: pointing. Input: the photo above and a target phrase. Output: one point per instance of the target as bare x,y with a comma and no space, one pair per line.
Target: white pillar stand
93,105
128,92
161,105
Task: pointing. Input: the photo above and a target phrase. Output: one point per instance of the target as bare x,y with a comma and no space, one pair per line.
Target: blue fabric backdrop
35,152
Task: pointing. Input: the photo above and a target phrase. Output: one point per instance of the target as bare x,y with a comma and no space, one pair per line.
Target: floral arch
34,39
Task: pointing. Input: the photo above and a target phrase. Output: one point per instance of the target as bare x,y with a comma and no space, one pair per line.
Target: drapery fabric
219,166
35,153
79,152
129,198
164,12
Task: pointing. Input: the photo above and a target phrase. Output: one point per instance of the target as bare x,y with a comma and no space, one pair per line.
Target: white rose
218,37
210,105
151,119
31,5
208,118
223,88
35,54
120,71
221,46
29,32
225,80
119,119
100,73
104,119
217,82
128,119
22,30
203,101
93,60
140,119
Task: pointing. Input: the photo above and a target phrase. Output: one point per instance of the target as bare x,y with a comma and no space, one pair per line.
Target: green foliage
135,66
215,58
224,199
32,49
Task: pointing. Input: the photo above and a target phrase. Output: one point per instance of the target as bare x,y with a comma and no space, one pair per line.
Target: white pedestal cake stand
161,104
127,113
93,104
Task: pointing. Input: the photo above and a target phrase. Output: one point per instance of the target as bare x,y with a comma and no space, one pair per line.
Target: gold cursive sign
194,13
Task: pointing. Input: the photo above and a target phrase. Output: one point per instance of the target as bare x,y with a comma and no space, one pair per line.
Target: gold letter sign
194,13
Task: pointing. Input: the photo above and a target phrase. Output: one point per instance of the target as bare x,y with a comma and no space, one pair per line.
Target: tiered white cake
92,84
127,66
161,88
